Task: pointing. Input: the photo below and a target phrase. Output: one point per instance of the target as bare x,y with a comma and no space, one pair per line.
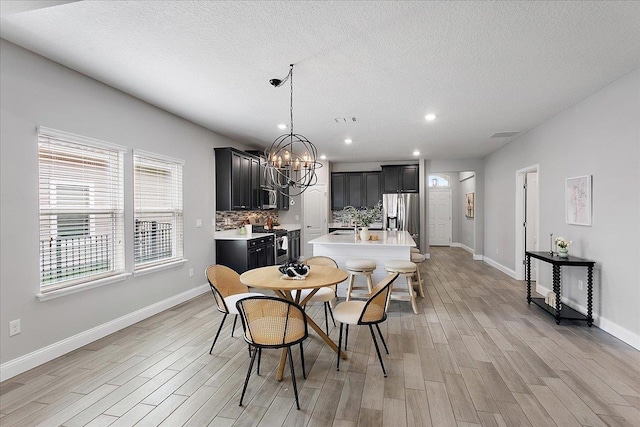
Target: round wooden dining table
319,276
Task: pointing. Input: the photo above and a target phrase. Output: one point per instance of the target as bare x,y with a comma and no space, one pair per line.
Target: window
80,209
157,201
438,180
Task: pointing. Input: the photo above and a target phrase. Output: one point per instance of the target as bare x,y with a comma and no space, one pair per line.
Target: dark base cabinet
243,255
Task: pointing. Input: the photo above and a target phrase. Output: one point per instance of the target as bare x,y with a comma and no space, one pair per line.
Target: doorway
314,215
439,217
527,219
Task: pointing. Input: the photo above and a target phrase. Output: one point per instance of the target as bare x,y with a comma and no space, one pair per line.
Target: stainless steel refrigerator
401,211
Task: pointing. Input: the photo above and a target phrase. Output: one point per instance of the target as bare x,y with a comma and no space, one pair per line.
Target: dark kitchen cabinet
338,191
357,189
243,255
372,188
237,180
400,179
293,238
283,194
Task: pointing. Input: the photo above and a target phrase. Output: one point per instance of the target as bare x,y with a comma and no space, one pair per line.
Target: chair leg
249,347
382,338
352,278
259,350
246,380
420,288
235,319
339,346
326,318
375,342
304,372
346,338
412,294
218,333
331,313
293,377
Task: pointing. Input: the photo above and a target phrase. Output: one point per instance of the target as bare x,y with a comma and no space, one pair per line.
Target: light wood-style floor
475,355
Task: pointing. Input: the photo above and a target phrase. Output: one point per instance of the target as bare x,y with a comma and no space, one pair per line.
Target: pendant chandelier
291,158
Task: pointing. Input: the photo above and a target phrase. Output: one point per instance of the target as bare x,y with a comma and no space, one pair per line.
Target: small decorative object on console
563,247
295,271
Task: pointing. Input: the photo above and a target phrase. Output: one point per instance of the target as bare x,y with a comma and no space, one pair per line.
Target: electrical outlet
198,223
497,251
191,272
14,327
580,285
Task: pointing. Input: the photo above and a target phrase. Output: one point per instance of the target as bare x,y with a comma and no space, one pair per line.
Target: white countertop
288,227
385,238
233,235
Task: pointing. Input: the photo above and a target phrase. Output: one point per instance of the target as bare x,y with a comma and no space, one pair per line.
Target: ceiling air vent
344,119
504,134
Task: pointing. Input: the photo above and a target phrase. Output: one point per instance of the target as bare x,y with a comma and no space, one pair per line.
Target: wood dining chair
227,290
271,322
371,312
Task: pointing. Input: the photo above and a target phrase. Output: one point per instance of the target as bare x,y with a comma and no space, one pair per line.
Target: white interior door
439,217
531,225
315,217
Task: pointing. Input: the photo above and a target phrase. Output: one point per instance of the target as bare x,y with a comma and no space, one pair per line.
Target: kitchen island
343,245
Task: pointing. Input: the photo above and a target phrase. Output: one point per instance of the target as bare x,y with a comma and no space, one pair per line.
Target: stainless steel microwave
268,198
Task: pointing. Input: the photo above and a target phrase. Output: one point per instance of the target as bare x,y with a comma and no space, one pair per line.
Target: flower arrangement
364,217
562,242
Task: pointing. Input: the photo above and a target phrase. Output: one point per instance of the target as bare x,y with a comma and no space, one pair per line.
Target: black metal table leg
528,279
556,291
589,296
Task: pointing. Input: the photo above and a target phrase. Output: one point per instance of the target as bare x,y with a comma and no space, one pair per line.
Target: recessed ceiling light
282,126
323,157
430,117
348,141
416,153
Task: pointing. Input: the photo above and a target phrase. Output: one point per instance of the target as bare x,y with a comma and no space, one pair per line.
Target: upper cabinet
237,180
400,178
358,189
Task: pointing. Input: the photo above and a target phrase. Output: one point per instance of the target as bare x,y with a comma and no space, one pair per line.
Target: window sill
82,287
160,267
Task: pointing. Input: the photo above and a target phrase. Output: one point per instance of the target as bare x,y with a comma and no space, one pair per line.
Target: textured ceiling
482,67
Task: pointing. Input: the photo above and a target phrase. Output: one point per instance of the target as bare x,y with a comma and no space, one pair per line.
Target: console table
562,311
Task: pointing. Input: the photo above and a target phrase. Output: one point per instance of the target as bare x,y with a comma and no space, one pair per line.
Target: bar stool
417,258
415,250
360,267
406,269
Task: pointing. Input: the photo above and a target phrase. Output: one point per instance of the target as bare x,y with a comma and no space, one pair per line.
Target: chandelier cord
291,96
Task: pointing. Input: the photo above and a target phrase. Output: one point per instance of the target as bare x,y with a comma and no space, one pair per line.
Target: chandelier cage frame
291,158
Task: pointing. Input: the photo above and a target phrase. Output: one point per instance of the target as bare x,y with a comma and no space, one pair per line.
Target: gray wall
600,136
35,91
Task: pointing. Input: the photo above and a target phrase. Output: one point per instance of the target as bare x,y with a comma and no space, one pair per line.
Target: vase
364,233
563,252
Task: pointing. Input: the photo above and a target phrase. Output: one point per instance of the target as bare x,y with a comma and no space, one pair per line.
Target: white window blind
157,201
81,209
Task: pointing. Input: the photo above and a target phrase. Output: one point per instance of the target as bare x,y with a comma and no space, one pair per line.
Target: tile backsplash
344,218
228,220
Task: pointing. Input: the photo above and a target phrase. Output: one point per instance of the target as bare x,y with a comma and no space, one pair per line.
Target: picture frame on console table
578,207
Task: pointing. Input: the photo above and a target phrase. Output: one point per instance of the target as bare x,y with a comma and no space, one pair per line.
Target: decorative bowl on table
293,270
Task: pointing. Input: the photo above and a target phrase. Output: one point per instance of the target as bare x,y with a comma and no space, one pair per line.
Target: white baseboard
606,325
36,358
455,245
478,257
509,272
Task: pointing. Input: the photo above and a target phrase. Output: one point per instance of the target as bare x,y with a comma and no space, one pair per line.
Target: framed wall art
578,200
469,209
